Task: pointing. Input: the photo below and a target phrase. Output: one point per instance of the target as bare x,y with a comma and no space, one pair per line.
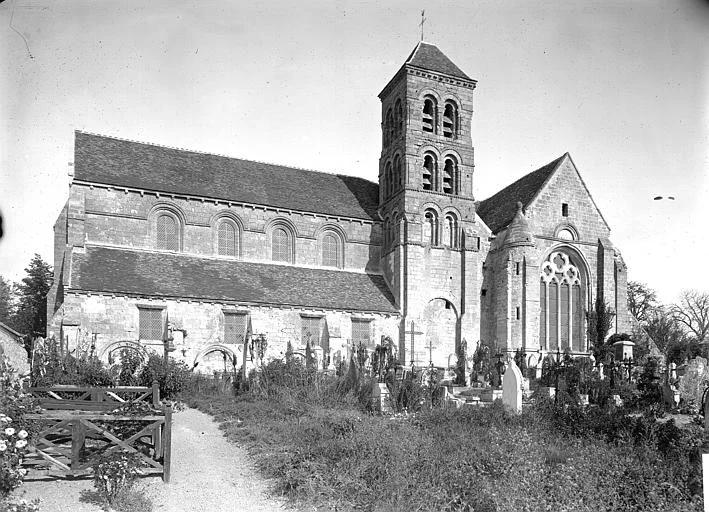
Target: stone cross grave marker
512,388
413,333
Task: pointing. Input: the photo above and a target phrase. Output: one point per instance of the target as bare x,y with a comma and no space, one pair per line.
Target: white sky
621,85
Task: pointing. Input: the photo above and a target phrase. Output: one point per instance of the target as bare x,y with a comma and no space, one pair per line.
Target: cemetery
622,432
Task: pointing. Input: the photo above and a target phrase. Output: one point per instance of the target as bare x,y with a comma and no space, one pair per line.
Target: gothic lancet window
430,115
450,176
450,120
429,171
561,300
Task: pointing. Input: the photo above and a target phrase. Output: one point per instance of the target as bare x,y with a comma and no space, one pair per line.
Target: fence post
78,435
156,394
167,445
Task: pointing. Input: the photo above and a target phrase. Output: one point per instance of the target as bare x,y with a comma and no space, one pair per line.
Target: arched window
389,128
429,171
397,174
430,227
451,230
430,115
167,233
561,299
281,245
388,181
450,176
399,118
450,120
227,239
331,250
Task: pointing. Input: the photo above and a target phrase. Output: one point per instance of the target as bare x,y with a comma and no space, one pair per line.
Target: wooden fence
80,423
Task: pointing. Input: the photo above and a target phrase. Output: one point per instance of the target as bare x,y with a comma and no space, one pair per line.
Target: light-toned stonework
158,242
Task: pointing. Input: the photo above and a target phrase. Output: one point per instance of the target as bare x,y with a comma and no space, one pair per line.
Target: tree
668,335
7,306
32,303
692,313
600,321
642,300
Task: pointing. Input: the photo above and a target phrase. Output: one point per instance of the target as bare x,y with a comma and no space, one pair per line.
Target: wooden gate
81,423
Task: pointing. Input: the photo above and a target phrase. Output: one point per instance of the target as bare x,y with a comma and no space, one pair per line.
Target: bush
171,381
114,474
53,365
15,431
20,506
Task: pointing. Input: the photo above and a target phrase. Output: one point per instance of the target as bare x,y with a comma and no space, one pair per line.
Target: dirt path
208,474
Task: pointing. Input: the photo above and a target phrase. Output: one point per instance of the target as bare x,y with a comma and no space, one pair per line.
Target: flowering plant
14,430
114,473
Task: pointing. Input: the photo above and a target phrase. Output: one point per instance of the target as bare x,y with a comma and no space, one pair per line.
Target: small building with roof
210,251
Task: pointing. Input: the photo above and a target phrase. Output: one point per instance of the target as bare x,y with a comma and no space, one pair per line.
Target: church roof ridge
128,163
498,210
211,153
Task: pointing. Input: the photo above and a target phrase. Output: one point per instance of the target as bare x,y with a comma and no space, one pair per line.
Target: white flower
6,419
3,447
21,443
9,431
23,471
22,434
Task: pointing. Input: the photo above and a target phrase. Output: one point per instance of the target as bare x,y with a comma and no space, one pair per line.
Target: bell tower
426,194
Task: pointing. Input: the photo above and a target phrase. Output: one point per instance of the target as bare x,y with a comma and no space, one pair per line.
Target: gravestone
380,398
512,388
692,383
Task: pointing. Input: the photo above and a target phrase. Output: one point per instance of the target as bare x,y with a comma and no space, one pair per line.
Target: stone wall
119,218
115,319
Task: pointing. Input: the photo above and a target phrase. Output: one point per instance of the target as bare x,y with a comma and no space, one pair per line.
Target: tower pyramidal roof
428,56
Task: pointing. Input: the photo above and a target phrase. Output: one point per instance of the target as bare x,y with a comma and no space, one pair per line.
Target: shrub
171,381
53,365
115,473
15,431
20,506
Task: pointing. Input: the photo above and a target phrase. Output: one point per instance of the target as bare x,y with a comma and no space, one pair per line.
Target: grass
323,452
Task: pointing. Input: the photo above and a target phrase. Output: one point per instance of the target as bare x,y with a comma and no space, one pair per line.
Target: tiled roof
122,271
428,56
10,330
119,162
499,210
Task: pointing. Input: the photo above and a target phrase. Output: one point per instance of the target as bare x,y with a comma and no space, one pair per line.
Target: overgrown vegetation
312,434
114,477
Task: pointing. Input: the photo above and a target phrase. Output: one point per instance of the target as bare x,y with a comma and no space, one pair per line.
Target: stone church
159,243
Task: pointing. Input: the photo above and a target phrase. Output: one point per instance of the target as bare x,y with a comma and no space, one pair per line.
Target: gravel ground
208,474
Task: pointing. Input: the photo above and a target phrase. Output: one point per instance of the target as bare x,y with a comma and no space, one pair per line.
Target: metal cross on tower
423,20
413,333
